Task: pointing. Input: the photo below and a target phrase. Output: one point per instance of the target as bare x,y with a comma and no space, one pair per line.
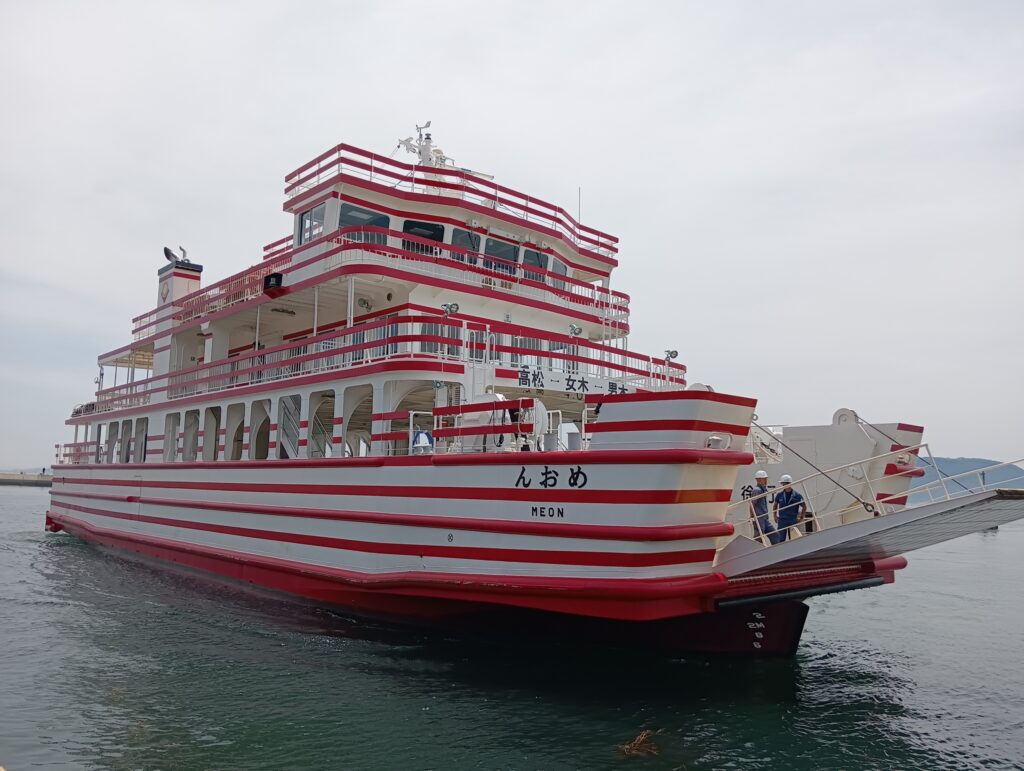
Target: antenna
423,147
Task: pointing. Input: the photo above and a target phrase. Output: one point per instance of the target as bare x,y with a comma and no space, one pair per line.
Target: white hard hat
786,480
761,475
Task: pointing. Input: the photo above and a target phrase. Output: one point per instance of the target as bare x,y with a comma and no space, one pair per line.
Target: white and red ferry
421,404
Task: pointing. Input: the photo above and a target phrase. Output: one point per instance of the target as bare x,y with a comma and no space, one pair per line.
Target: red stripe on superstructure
910,427
500,428
897,470
898,447
496,406
396,415
898,500
526,495
389,436
562,457
657,396
476,524
484,554
666,425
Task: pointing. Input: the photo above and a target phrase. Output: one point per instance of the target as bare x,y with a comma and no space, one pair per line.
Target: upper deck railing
230,291
411,337
357,164
380,246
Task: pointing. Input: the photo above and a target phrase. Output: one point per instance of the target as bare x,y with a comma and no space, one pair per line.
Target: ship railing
848,493
223,294
74,453
382,246
472,268
345,162
413,336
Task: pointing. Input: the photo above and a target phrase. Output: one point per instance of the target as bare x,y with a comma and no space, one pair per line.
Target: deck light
364,304
450,308
670,354
575,331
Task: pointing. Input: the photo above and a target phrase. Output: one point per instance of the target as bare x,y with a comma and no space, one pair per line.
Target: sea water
107,663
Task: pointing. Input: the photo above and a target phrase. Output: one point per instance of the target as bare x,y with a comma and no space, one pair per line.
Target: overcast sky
820,204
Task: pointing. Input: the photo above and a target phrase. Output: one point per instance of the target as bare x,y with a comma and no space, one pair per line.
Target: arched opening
235,431
321,425
171,424
259,432
190,445
211,433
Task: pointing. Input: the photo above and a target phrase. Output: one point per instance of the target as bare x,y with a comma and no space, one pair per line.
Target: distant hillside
1007,476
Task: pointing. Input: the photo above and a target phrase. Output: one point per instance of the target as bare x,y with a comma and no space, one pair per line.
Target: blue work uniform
788,504
760,505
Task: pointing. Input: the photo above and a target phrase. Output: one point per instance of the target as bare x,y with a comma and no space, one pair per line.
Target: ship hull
770,629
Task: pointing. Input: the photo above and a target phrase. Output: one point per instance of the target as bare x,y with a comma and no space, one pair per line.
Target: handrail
819,520
470,256
409,175
524,333
908,449
380,340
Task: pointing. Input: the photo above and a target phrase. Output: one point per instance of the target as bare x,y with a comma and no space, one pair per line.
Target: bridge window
537,260
312,224
507,255
353,215
467,240
558,267
428,230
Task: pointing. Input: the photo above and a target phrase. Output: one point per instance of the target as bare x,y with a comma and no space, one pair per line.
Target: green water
107,663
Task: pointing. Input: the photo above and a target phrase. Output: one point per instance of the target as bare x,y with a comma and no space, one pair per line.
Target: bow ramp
877,538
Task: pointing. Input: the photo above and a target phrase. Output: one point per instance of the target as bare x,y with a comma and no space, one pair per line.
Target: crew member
759,507
789,507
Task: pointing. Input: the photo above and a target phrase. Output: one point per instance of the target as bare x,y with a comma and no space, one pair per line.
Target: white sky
820,204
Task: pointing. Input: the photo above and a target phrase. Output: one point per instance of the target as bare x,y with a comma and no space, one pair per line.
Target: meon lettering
548,511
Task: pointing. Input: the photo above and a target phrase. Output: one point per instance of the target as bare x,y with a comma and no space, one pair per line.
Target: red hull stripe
427,583
511,527
658,396
532,494
667,425
533,556
562,457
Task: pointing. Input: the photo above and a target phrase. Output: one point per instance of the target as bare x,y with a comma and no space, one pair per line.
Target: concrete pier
26,480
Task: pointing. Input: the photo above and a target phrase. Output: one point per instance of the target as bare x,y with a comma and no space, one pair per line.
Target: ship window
535,259
558,267
507,255
312,224
429,230
354,216
465,240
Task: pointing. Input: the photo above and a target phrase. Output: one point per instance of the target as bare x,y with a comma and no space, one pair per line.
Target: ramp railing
848,493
